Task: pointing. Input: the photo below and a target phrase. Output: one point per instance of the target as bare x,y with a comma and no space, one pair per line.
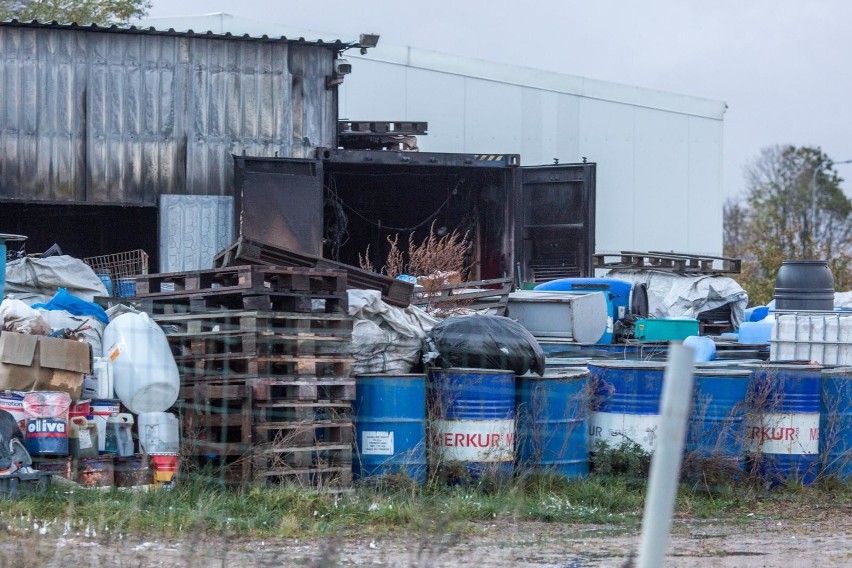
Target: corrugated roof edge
547,81
336,45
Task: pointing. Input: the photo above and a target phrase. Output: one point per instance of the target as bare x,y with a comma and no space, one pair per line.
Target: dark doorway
82,230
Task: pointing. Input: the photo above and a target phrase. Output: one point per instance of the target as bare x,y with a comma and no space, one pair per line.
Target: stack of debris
265,362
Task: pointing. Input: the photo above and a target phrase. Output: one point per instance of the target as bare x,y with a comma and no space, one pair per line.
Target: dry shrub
395,264
365,262
437,255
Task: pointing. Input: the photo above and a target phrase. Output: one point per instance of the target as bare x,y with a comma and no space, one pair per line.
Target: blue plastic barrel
625,402
835,429
2,268
125,287
552,414
718,411
4,238
782,430
390,426
473,419
107,282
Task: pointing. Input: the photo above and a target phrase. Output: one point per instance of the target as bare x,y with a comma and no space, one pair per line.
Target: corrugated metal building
119,117
658,154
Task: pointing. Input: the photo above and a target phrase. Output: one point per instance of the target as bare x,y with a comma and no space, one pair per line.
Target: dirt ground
786,539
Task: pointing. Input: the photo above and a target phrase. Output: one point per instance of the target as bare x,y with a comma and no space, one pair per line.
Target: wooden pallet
239,470
480,295
265,389
249,278
290,345
244,251
217,300
286,323
240,366
669,262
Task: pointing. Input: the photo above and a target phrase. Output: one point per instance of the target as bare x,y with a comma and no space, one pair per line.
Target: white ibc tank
145,375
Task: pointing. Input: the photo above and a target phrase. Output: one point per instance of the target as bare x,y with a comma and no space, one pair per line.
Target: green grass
197,508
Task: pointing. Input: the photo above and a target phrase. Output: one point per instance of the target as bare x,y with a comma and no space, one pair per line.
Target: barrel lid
6,237
557,374
786,366
840,371
472,370
391,376
628,364
722,372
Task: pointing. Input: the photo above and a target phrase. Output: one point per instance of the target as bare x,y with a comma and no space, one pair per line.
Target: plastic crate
665,329
18,484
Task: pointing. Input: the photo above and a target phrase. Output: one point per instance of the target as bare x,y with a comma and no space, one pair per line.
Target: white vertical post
665,463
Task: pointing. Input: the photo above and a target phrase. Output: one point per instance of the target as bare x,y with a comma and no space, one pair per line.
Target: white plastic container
119,436
145,374
158,433
99,384
101,411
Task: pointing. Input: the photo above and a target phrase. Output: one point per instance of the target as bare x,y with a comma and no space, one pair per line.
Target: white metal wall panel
440,96
567,121
493,117
378,93
539,129
193,229
607,138
661,171
705,185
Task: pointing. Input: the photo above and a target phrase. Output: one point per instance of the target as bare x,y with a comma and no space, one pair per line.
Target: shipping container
518,219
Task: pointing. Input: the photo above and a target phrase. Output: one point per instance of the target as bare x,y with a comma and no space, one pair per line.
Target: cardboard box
37,363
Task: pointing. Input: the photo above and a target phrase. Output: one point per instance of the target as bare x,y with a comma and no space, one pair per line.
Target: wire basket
118,271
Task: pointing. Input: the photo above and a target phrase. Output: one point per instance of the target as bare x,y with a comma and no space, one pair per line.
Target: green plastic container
665,329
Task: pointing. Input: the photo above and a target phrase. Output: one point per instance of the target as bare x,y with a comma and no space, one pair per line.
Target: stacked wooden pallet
394,292
265,362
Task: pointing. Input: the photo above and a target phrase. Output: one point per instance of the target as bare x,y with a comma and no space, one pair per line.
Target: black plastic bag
487,342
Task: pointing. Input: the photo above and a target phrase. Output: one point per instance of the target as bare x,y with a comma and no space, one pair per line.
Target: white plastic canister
99,384
158,433
145,374
101,411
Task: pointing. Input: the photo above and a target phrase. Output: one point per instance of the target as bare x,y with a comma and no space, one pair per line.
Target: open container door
555,222
280,201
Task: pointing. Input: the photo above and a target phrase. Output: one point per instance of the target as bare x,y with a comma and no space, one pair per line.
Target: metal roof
335,45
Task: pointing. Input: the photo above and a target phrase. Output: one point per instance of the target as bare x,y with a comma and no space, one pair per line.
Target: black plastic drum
803,285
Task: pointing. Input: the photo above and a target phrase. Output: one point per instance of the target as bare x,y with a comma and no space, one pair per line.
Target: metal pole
665,465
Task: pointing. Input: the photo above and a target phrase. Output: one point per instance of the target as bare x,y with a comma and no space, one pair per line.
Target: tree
775,221
101,12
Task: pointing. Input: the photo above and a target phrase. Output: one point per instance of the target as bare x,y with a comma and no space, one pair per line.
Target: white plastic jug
145,375
99,384
119,436
158,433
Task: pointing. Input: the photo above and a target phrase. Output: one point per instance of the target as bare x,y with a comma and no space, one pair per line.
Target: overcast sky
782,66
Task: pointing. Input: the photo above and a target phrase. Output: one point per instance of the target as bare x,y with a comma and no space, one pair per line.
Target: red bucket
164,468
81,408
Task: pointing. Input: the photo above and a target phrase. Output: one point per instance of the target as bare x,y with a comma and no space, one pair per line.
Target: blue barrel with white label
835,429
782,430
625,403
715,429
390,426
552,413
473,420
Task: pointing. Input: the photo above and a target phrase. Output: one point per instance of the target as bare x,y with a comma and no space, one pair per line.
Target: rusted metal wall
125,116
